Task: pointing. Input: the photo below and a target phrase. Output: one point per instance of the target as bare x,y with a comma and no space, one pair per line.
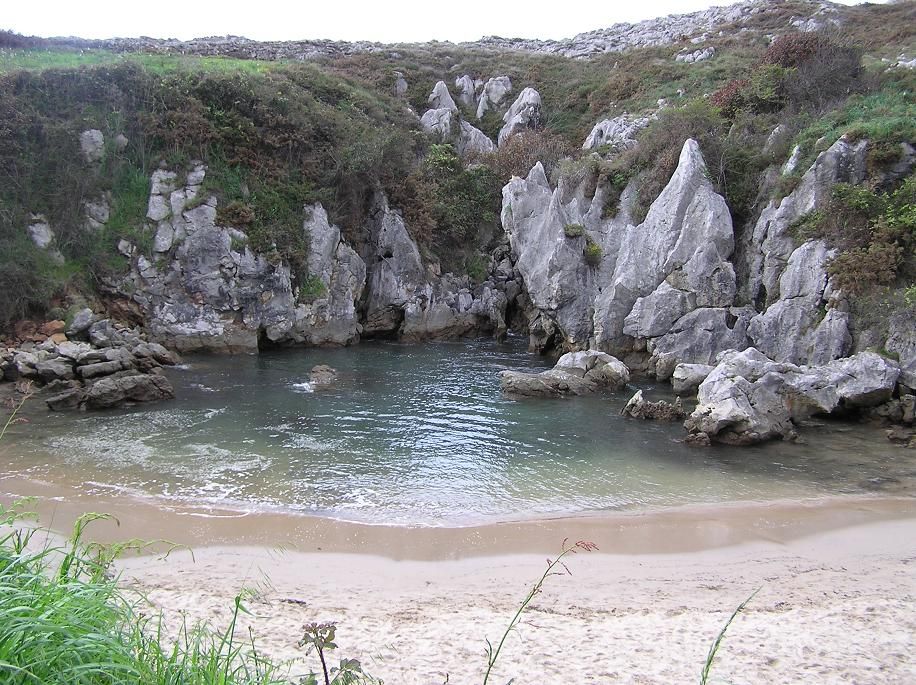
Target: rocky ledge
93,364
576,373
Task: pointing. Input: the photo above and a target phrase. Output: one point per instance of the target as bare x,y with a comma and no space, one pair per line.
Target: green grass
886,118
64,620
37,59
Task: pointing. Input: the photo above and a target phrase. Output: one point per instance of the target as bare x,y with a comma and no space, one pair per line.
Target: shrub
574,230
521,152
859,268
592,253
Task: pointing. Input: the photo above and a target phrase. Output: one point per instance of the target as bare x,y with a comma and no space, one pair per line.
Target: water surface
421,435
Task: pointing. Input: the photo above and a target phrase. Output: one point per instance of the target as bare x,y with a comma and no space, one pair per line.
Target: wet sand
837,579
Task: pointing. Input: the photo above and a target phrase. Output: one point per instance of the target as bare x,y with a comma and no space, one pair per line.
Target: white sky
404,21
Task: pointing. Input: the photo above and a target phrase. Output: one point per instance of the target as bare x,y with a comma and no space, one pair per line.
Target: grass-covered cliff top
277,134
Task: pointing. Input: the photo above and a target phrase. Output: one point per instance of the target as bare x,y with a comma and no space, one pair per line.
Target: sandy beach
837,607
837,598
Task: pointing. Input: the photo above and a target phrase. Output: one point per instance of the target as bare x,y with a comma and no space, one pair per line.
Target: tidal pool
421,435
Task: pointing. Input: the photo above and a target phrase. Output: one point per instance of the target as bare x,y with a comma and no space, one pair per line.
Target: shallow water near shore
421,435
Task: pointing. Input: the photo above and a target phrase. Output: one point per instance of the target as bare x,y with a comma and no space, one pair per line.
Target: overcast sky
381,21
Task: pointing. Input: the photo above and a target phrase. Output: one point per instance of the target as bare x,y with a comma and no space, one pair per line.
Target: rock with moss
337,275
805,325
92,145
467,91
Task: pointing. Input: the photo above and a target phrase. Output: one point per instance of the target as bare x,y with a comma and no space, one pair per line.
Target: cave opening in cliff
264,341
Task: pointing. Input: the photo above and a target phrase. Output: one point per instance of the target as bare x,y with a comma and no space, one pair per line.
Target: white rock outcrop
619,133
493,95
440,98
524,114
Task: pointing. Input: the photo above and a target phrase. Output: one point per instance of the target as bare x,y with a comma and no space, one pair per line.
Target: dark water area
421,435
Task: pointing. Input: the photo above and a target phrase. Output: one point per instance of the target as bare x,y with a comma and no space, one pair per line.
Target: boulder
54,369
750,398
79,327
737,410
92,145
68,399
116,391
493,95
467,91
575,373
686,378
524,114
639,408
40,232
322,376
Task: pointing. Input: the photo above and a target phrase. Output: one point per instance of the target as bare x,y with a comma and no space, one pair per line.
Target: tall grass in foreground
63,619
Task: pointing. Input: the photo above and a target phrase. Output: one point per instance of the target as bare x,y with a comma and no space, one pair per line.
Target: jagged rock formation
206,289
749,398
671,288
445,121
575,373
525,113
650,275
494,94
440,98
467,91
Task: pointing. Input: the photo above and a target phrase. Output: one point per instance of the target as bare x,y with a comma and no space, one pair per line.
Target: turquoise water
421,435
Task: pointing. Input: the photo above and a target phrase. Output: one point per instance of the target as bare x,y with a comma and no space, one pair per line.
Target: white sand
834,607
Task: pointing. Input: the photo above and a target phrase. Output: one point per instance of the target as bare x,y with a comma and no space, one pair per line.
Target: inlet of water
421,435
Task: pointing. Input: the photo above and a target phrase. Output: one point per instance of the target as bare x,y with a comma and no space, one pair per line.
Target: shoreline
663,530
836,578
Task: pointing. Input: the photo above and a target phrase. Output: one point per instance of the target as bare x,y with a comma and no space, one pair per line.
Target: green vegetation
63,619
274,137
311,289
592,252
874,232
574,230
278,135
451,210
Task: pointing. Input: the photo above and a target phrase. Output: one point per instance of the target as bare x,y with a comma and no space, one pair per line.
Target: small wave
304,387
204,388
